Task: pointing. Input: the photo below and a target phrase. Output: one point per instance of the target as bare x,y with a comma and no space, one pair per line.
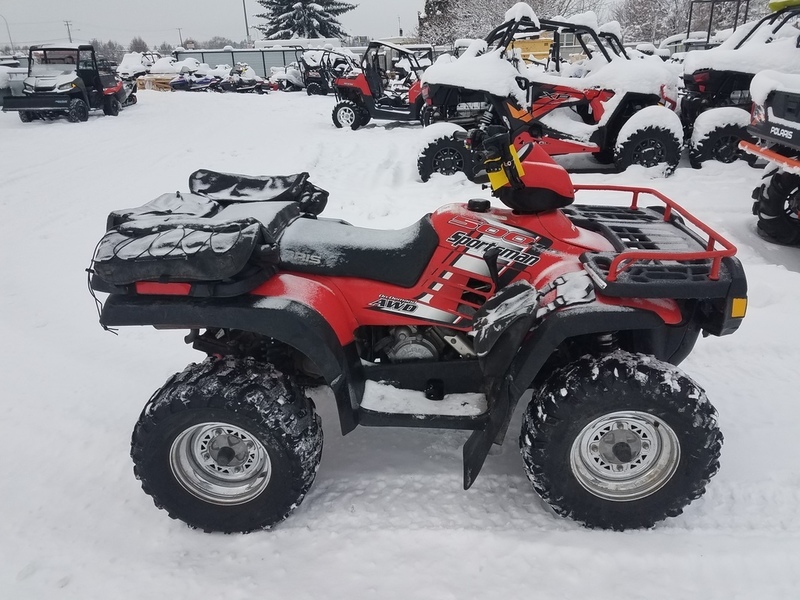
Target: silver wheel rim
220,463
625,456
347,115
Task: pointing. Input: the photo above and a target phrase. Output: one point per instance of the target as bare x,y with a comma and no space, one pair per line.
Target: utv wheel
447,156
111,106
78,111
720,144
347,114
315,89
228,445
649,147
620,442
778,209
26,116
132,99
365,116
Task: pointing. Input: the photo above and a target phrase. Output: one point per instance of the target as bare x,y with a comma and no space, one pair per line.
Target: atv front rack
656,255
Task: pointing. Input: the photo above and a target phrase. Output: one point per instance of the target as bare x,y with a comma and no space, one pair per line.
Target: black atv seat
327,247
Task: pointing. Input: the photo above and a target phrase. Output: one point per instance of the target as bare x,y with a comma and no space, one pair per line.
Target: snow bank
766,82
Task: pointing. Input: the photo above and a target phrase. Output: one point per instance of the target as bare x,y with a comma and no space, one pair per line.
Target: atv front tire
78,111
347,114
228,445
618,442
447,156
111,106
778,209
314,89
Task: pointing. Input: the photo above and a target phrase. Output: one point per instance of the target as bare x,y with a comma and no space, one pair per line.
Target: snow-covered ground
386,517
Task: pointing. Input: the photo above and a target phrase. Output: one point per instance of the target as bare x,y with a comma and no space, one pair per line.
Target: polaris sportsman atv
65,80
776,122
715,102
608,105
379,90
591,306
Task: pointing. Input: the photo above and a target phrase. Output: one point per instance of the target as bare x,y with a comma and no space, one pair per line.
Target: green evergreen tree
288,19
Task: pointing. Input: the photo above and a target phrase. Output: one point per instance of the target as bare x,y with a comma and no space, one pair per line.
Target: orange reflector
738,308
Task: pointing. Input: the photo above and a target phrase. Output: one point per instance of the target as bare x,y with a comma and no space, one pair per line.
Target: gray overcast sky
36,21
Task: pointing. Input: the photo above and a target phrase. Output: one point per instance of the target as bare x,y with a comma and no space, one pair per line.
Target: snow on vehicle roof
612,27
768,81
584,19
494,74
394,46
521,11
762,50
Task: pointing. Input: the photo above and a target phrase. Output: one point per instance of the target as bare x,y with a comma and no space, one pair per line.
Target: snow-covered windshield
53,62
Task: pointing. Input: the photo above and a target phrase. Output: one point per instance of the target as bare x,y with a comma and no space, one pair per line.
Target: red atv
590,306
385,88
610,105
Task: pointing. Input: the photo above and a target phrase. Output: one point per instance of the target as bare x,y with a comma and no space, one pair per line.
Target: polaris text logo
783,133
302,258
392,304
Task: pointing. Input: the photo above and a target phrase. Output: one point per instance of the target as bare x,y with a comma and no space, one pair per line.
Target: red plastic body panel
359,82
414,92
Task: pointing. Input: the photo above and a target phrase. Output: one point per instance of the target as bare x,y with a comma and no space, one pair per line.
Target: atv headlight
66,86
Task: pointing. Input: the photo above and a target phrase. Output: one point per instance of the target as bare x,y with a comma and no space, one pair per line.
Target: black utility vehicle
65,80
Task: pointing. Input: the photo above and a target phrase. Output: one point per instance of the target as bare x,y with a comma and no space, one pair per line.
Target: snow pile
132,64
763,50
387,517
3,77
584,19
165,66
220,71
718,117
488,72
613,28
766,82
521,11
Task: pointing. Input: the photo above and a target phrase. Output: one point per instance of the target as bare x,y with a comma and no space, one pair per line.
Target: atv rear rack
655,253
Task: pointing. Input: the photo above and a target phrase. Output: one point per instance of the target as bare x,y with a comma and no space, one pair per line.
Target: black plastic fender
287,321
508,377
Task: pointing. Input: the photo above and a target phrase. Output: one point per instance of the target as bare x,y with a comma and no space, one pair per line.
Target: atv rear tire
720,144
621,441
78,111
778,209
365,116
111,106
228,445
447,156
347,114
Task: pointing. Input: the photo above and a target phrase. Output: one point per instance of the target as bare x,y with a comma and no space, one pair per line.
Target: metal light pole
246,26
9,35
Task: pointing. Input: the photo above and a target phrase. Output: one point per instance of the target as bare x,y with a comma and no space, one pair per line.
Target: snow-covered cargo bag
220,240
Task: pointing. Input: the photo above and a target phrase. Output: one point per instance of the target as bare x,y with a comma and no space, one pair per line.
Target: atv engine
409,343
